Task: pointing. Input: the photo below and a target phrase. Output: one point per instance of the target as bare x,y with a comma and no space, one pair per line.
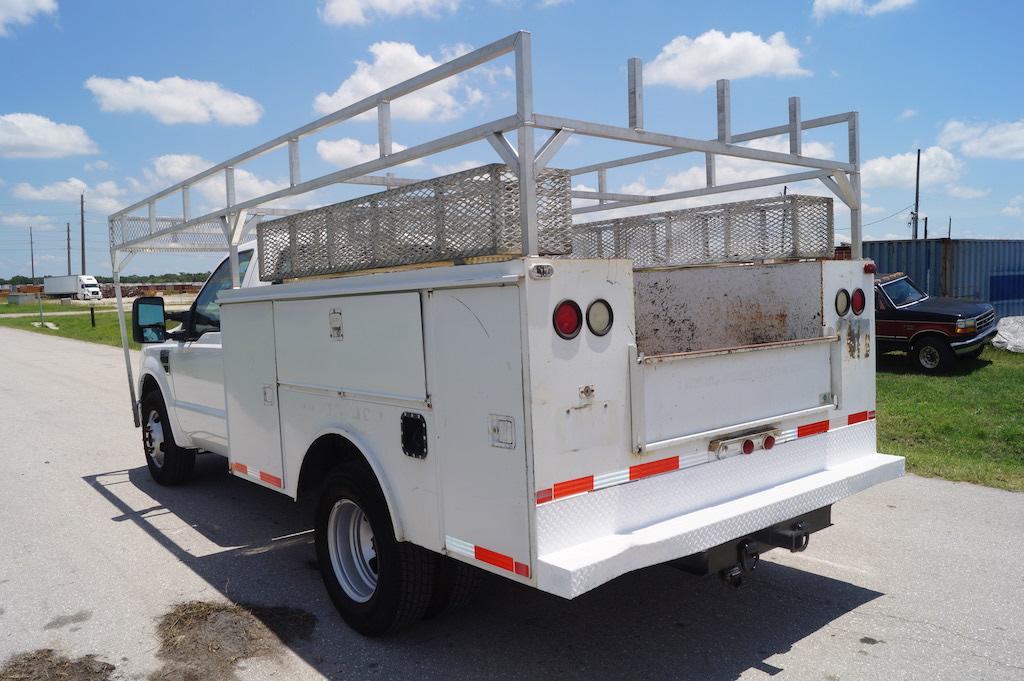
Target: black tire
455,586
176,464
932,355
404,572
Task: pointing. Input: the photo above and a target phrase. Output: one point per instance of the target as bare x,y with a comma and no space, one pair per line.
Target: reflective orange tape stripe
240,467
494,558
859,417
270,479
812,429
570,487
643,470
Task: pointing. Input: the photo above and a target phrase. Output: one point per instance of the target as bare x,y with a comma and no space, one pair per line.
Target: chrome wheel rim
153,438
929,357
353,550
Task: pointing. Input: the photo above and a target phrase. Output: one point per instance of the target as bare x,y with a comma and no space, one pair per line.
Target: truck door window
206,314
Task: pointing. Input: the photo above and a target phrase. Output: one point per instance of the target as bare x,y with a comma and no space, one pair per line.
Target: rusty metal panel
704,308
990,270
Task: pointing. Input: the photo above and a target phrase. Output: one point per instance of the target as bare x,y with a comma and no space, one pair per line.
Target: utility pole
949,229
917,192
69,246
32,257
925,226
82,218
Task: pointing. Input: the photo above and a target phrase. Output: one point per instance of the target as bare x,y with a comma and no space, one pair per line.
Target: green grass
77,327
8,308
965,425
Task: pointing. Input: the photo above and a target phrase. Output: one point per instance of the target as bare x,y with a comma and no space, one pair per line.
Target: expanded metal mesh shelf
463,215
780,227
203,237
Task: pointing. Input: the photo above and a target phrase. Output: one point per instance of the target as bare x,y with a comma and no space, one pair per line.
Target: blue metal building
991,270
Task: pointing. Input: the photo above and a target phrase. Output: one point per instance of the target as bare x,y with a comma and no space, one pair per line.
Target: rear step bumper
569,571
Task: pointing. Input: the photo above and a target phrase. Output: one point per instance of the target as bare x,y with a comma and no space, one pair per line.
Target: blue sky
118,99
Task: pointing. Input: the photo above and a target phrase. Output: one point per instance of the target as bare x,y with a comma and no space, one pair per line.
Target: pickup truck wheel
168,463
932,354
376,582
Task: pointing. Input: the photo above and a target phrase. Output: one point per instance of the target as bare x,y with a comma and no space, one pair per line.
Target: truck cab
933,331
88,288
189,366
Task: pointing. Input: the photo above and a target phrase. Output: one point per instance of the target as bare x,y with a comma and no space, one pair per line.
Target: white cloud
696,63
25,135
986,140
358,12
1015,207
392,63
22,221
965,192
104,197
543,4
822,8
170,169
347,152
907,113
23,12
97,166
175,100
938,166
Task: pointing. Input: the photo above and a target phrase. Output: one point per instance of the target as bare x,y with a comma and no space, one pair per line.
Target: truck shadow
899,363
654,623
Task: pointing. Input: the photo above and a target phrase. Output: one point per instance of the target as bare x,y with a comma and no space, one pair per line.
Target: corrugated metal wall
982,269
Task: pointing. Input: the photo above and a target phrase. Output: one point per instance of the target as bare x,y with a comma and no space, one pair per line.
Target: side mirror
148,324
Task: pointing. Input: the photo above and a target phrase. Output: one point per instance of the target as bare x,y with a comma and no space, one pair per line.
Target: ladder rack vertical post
602,183
635,77
115,266
524,140
384,127
294,169
856,238
228,225
186,204
795,131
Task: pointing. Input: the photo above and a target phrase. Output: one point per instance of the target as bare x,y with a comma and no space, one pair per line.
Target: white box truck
467,379
77,286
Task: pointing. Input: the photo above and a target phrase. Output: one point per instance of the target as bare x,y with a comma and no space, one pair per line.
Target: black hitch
795,538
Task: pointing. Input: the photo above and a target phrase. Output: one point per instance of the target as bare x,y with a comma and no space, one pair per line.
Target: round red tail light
748,446
858,301
568,319
769,442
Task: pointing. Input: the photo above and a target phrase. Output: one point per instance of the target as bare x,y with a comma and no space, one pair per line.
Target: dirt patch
47,665
202,641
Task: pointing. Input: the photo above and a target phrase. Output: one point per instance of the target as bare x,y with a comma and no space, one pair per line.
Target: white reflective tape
610,479
458,546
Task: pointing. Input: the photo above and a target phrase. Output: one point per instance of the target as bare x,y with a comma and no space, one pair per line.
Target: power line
888,217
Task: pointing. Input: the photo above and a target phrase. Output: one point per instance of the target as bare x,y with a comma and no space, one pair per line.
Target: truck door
197,365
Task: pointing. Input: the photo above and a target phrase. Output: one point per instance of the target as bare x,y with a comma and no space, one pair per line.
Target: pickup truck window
902,292
207,312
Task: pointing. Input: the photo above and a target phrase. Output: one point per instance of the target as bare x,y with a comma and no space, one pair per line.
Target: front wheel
377,583
168,463
933,355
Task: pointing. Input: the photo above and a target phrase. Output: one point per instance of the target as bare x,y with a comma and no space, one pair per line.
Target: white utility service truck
469,377
77,286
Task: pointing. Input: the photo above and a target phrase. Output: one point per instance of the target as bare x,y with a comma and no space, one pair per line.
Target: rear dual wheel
379,584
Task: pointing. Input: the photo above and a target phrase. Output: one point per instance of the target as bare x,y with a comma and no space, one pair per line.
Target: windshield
903,292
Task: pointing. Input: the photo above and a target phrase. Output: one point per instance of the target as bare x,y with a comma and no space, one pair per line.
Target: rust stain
851,341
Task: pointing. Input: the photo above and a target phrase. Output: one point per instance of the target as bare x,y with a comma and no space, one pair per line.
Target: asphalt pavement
918,579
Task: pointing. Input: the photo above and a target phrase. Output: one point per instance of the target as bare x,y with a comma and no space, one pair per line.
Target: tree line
167,278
